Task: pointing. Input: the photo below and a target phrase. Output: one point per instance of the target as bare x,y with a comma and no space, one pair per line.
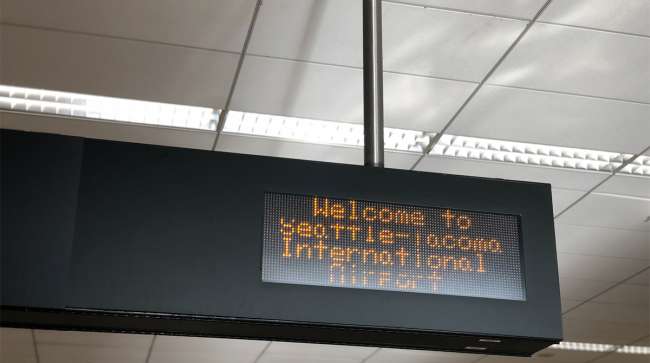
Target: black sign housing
111,236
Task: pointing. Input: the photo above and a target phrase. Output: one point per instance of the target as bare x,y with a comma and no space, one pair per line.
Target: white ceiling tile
623,358
444,44
298,89
630,16
562,198
555,119
635,186
603,332
16,346
558,178
70,353
112,67
200,23
166,136
297,150
327,31
512,8
560,58
598,241
82,347
610,211
172,349
598,268
626,294
108,340
309,352
419,103
321,92
386,355
432,42
618,313
573,288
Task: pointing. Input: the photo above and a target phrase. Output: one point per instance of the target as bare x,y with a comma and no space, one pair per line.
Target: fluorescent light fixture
319,132
584,347
106,108
537,154
602,348
632,349
21,99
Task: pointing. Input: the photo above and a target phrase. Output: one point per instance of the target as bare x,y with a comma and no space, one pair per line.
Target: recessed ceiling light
584,347
348,134
632,349
21,99
105,108
319,132
537,154
602,348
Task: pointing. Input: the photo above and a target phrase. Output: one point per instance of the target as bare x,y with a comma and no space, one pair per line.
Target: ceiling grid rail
436,138
612,174
150,350
372,354
615,285
261,354
510,17
114,37
37,356
565,93
452,10
272,57
583,27
393,2
223,114
356,68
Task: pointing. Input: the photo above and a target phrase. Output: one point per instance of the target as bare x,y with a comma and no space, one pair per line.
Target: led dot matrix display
316,240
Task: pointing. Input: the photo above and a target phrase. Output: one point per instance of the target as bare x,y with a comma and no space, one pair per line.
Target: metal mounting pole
373,87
